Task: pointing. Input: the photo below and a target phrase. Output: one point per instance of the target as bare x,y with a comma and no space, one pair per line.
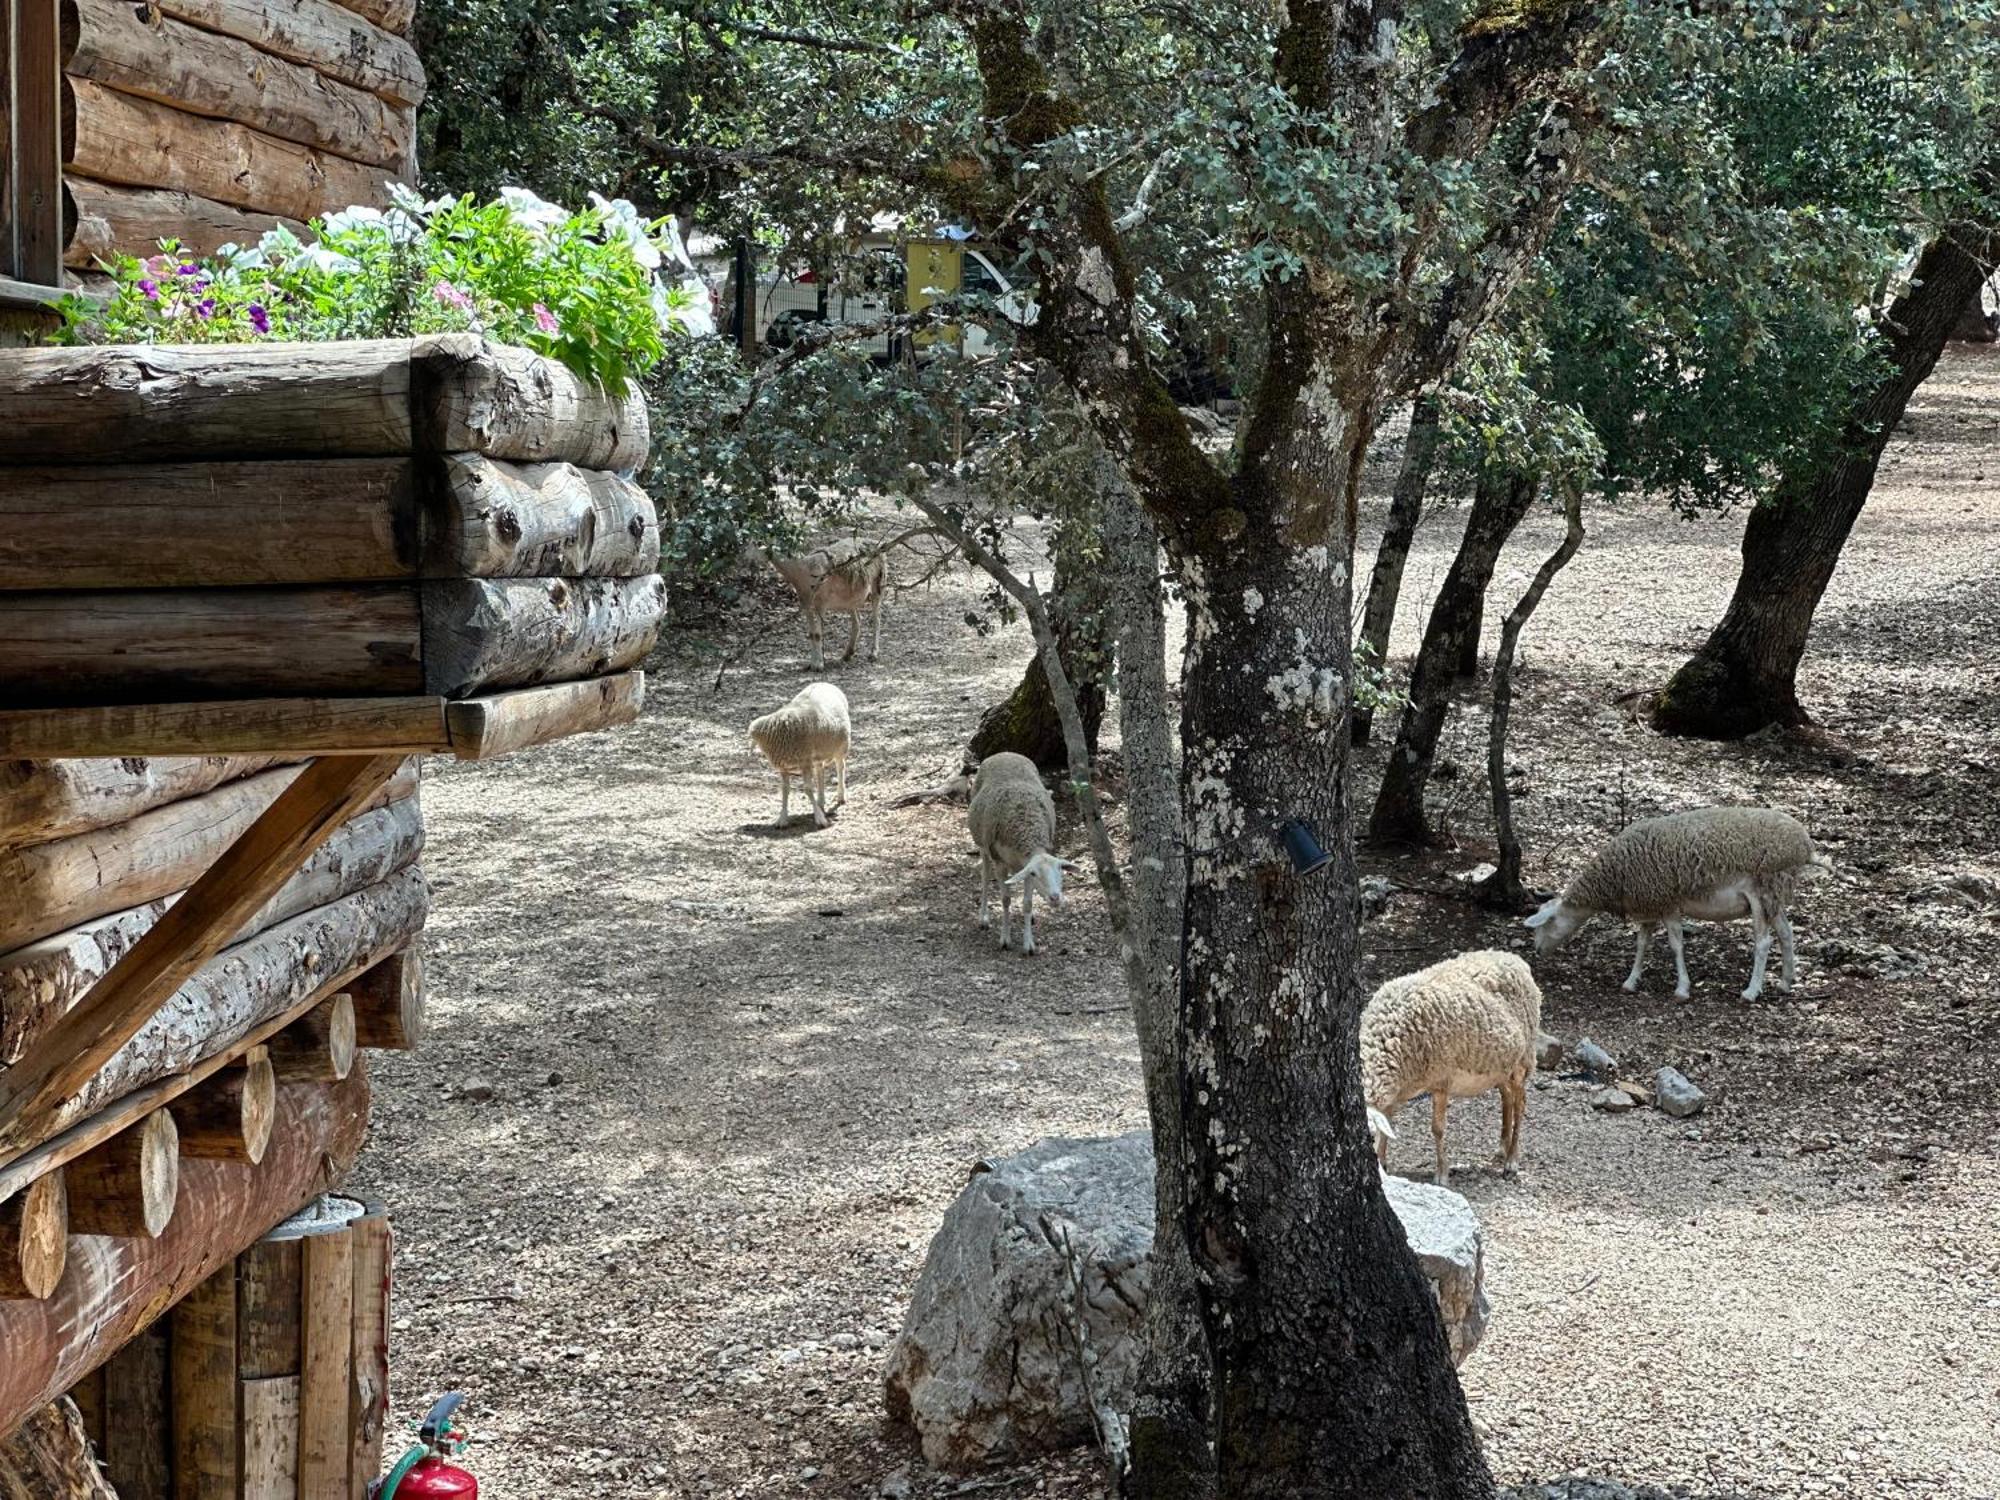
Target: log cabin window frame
31,153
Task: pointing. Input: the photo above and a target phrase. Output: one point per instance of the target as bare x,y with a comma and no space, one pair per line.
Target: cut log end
320,1046
228,1118
34,1238
127,1187
389,1003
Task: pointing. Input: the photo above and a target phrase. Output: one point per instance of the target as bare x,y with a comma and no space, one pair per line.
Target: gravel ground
699,1091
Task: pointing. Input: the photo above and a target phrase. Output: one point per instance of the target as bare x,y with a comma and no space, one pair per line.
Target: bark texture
1406,509
1746,675
48,1458
1498,506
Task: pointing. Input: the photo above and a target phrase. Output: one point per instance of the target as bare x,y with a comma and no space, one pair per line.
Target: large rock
989,1363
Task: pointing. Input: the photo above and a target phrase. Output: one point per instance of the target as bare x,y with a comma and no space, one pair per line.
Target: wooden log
357,399
128,1185
58,649
47,1457
333,41
53,799
325,1441
118,138
206,73
290,726
138,1437
114,1287
389,1003
253,982
318,1047
391,15
56,1072
482,728
228,1118
484,634
270,1436
41,981
268,1340
200,525
502,520
34,1238
203,1374
368,1415
108,221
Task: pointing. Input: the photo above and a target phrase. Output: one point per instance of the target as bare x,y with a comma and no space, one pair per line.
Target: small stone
875,1338
478,1090
555,1080
1548,1052
897,1486
1611,1101
1673,1093
1375,891
845,1341
1595,1061
831,911
809,1473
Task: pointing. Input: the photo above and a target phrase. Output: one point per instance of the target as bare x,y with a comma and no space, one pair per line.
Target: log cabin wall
211,121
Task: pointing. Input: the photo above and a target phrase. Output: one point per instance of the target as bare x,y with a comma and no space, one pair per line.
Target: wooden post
138,1441
128,1185
268,1341
368,1419
228,1118
326,1376
319,1046
194,930
204,1390
271,1438
34,1238
389,1003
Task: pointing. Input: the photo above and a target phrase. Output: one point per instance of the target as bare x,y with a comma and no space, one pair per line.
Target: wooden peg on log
318,1047
389,1003
34,1238
228,1118
128,1185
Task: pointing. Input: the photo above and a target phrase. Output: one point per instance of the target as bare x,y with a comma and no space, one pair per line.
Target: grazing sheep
1453,1031
802,739
1714,864
1013,821
846,575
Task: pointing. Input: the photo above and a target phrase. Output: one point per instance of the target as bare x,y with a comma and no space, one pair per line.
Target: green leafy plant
601,289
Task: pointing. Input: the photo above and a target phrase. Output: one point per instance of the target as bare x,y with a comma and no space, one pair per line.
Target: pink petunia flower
546,320
451,296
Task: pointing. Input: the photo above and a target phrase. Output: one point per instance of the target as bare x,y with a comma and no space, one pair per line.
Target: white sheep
1013,821
1453,1031
1714,864
846,575
802,739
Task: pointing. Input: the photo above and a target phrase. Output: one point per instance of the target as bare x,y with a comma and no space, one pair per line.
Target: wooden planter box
438,518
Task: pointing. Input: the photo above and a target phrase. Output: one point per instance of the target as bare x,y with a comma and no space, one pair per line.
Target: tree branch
1075,746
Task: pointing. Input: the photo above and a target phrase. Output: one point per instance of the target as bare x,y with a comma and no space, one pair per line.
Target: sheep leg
817,625
1760,949
875,649
1027,917
1382,1141
819,793
1006,911
853,634
1681,985
1639,958
985,887
1514,1100
1783,922
840,766
1440,1102
784,799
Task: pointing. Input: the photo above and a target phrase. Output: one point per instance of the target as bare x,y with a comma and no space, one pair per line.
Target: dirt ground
699,1090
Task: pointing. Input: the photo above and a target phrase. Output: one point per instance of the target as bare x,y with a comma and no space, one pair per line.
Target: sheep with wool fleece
802,739
847,575
1013,822
1711,864
1453,1031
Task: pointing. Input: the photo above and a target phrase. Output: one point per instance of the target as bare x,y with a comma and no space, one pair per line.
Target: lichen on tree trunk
1746,675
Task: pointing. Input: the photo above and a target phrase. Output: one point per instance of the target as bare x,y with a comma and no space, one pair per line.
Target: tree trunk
1025,721
1498,506
1746,675
1975,324
1503,888
1406,509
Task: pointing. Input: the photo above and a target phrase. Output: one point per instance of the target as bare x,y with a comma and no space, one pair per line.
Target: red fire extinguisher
425,1471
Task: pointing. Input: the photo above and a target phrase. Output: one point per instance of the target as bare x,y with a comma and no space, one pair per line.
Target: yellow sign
936,270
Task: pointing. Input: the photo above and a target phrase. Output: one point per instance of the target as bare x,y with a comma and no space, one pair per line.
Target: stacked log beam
211,121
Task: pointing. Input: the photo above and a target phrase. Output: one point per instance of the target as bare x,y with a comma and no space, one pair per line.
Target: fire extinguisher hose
396,1475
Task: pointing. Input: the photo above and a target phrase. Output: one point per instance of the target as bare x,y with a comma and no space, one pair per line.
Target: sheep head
1045,872
1556,923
